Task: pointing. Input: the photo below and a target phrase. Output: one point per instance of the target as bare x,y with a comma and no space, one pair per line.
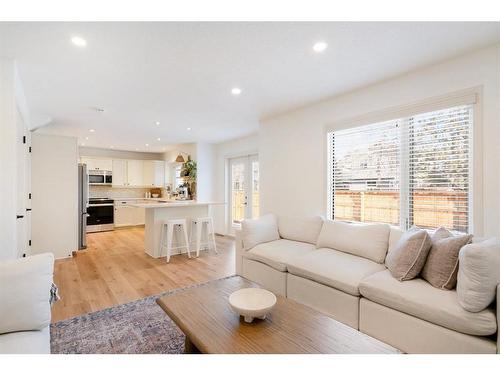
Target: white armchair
24,304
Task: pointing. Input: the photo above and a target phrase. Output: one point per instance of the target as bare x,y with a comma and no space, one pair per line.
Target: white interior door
243,189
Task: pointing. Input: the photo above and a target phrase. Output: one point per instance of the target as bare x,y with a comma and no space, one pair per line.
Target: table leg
189,347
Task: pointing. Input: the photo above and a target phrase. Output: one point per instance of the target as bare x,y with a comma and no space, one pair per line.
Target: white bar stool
168,228
197,226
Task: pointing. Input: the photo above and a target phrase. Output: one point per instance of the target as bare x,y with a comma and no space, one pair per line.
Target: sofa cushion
420,299
478,274
395,234
300,229
441,266
25,292
365,240
26,342
278,253
334,268
407,258
261,230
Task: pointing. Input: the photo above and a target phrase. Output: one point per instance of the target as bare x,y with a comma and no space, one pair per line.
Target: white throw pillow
300,229
256,231
365,240
25,292
478,274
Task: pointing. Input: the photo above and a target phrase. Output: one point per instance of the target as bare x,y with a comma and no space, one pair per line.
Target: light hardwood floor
114,269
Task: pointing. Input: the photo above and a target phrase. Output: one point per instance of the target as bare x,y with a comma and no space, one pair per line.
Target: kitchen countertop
173,203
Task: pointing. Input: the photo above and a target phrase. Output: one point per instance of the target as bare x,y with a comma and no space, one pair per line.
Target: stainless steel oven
98,177
100,215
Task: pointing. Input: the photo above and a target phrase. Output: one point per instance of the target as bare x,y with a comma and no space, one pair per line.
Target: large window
408,171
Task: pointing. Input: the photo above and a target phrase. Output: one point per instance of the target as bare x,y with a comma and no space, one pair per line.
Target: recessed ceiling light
78,41
87,138
320,47
91,130
147,144
157,123
188,129
158,139
236,91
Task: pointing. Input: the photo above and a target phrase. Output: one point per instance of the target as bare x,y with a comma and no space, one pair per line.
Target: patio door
243,189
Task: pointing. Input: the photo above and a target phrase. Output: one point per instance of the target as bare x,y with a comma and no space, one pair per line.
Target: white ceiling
181,74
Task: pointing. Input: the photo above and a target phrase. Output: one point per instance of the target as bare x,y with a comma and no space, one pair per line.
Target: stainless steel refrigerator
83,203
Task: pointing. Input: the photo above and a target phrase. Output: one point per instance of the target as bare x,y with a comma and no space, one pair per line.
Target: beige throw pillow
407,258
441,267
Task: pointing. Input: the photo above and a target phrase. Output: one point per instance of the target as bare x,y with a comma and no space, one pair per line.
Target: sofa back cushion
394,237
478,274
369,241
300,229
256,231
25,292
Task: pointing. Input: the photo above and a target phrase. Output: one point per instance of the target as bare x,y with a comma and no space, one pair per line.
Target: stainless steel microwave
98,177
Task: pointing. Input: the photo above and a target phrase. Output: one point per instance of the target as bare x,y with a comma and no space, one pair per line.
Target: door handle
19,216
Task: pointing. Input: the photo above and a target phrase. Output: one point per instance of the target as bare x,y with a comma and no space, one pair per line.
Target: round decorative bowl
252,303
155,195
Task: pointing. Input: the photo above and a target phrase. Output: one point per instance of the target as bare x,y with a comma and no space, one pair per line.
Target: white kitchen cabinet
97,164
154,173
140,216
120,173
135,174
126,215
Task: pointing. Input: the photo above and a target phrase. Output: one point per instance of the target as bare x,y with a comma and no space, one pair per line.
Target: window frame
471,97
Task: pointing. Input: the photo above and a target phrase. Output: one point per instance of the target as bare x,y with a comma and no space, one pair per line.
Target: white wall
291,146
223,152
8,152
205,189
54,187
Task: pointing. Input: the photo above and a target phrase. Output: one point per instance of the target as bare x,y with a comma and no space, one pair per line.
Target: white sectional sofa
339,270
24,304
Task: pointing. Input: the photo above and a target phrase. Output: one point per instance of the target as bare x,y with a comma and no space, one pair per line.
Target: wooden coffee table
210,325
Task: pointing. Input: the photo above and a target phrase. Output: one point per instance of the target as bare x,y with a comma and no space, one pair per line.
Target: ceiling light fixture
78,41
91,130
87,138
319,47
188,129
147,144
157,122
236,91
158,139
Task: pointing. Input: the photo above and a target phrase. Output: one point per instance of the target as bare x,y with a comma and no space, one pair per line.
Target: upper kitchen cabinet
97,164
120,172
154,173
135,173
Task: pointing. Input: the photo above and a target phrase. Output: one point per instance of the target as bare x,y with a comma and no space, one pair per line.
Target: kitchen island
159,211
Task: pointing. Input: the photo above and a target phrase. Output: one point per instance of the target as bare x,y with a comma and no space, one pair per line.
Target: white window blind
408,171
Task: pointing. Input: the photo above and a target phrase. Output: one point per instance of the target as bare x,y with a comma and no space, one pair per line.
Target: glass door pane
255,187
238,190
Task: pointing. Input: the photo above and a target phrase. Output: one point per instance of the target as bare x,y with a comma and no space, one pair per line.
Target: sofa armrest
239,251
25,292
498,319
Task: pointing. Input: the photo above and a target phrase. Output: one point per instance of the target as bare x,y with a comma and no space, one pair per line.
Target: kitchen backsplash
110,192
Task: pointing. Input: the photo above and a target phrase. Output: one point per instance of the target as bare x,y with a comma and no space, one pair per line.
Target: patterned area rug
137,327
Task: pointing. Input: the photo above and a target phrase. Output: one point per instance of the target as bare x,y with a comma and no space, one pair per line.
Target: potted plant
188,171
